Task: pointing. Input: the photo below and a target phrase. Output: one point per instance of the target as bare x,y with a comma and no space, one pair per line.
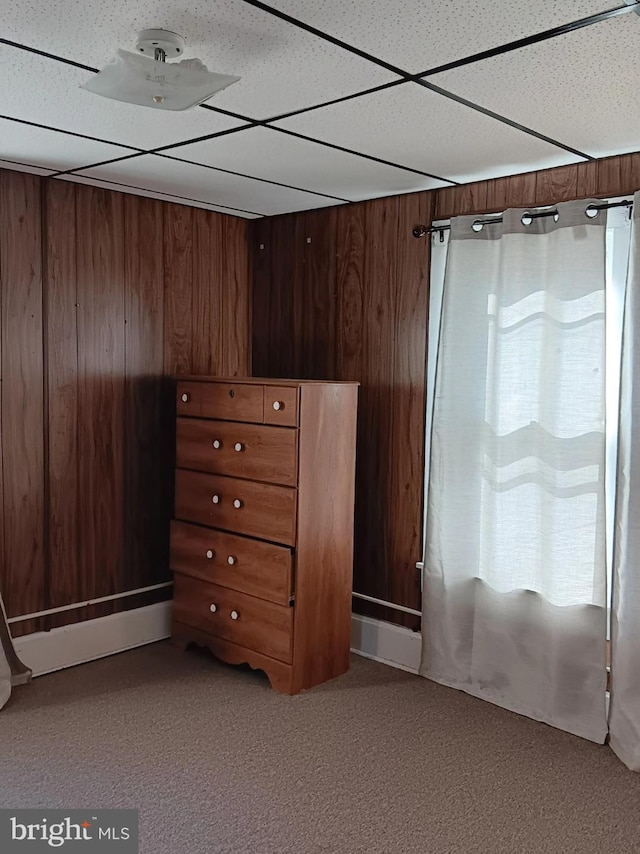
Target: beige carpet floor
376,761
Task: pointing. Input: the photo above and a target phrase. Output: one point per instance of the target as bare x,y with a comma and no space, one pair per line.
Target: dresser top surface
277,381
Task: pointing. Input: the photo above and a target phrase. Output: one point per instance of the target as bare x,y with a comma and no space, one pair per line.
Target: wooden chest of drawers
262,539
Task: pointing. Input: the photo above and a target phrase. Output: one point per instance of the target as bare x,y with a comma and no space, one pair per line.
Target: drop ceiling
337,102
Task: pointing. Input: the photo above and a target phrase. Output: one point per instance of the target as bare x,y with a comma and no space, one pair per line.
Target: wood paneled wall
22,409
103,296
343,293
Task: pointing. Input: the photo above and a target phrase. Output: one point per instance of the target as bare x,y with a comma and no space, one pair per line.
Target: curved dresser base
280,675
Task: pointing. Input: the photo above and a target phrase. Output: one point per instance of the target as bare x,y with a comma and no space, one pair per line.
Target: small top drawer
281,405
188,400
232,401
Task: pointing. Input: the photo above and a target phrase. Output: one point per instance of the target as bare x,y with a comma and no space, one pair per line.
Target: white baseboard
45,652
78,643
393,645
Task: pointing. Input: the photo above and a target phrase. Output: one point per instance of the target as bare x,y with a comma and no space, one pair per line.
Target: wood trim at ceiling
610,176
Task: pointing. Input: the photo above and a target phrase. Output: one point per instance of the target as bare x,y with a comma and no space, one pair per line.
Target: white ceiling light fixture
147,79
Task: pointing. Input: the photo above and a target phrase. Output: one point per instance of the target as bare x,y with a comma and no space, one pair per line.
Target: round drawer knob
216,443
235,615
231,560
277,404
215,499
237,503
209,553
213,608
238,447
184,397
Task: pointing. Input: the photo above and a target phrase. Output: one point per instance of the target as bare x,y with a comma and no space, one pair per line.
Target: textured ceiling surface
337,102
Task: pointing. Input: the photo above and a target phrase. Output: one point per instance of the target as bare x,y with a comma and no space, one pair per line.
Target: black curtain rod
421,230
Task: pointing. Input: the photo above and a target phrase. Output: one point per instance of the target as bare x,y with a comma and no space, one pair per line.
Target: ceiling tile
416,35
269,154
50,150
163,197
163,175
579,88
47,92
576,88
422,130
282,67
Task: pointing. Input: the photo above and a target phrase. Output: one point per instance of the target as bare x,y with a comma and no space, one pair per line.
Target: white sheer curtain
515,601
624,717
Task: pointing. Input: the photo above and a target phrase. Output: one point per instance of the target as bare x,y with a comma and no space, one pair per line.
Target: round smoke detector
151,41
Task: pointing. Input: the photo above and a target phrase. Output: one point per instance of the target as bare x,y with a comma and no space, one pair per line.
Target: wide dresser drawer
250,566
253,623
252,451
242,506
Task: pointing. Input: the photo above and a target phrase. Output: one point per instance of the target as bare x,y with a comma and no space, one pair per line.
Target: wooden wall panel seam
178,286
101,334
79,567
410,334
61,389
147,411
235,300
45,395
